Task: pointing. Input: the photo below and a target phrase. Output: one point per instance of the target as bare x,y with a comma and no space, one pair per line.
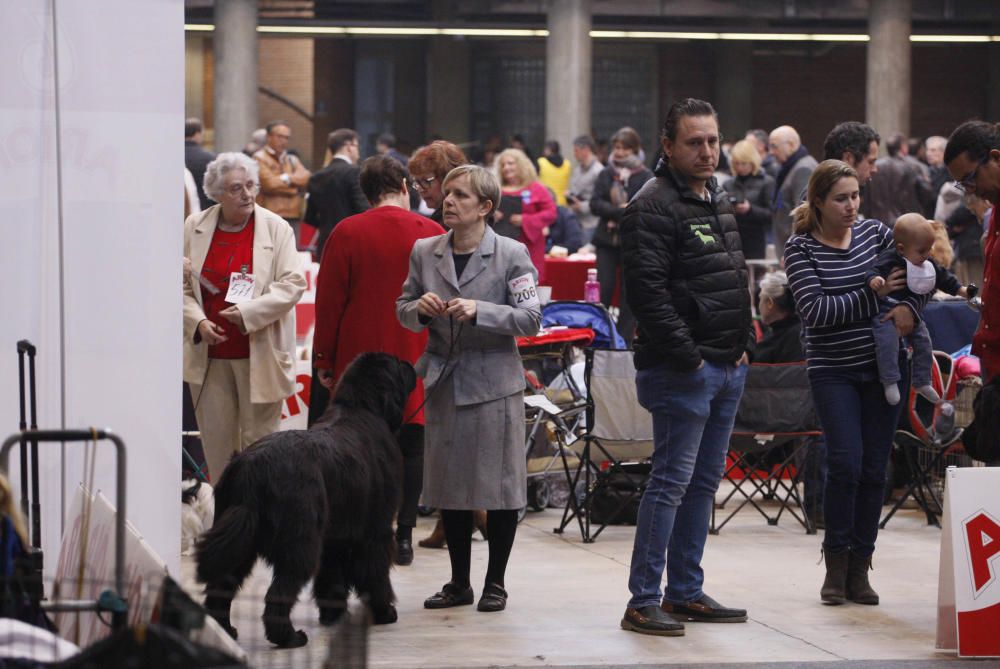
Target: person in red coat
360,275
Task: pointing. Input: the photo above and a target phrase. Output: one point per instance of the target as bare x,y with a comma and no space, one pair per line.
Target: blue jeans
859,426
693,414
887,350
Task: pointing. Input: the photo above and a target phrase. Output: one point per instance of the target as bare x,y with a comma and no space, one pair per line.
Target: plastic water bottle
592,287
944,423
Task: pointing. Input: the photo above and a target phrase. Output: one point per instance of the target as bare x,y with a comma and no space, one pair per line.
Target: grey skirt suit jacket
474,441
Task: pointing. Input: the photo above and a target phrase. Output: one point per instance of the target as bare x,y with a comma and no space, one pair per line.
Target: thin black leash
451,348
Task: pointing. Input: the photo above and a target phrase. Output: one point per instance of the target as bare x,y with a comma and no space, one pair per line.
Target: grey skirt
474,456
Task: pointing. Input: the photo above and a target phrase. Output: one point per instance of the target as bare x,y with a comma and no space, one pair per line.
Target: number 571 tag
240,288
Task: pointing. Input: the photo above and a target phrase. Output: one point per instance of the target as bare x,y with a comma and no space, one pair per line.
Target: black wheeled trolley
113,602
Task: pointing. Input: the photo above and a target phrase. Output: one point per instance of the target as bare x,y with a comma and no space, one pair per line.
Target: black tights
501,525
411,443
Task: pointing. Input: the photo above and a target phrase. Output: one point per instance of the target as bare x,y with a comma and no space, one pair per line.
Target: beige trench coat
269,317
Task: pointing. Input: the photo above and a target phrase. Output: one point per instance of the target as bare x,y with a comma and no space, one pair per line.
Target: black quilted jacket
685,276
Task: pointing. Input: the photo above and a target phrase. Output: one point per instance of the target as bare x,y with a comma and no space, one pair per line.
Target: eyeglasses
421,184
969,180
236,189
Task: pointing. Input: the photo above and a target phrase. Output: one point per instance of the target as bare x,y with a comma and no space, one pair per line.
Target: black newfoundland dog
315,504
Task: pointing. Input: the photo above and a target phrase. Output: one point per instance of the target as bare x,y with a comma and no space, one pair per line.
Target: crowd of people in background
431,248
765,175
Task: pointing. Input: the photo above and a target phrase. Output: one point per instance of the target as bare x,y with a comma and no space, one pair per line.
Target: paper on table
541,402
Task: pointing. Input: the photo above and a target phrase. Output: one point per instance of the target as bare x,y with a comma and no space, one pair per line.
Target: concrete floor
566,600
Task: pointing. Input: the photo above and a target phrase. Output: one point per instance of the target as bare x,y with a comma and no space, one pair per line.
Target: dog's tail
233,536
230,540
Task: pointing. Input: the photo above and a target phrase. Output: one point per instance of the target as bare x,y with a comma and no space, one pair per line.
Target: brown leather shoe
704,610
436,538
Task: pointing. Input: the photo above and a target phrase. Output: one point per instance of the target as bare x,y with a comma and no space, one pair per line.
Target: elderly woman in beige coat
475,291
239,316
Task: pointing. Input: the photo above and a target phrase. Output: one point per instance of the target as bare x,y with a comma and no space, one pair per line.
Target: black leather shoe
704,610
450,595
494,598
404,552
651,620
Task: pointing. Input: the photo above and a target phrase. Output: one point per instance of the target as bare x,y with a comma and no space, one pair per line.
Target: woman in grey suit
475,291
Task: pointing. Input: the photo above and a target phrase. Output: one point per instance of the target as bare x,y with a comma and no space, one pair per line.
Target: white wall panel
121,103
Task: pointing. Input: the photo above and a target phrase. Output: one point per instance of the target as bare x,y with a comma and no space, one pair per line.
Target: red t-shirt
229,252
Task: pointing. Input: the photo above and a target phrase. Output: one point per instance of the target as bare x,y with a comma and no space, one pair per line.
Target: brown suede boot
858,588
436,538
479,522
834,590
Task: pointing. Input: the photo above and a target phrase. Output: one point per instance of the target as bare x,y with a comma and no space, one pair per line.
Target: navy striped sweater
832,297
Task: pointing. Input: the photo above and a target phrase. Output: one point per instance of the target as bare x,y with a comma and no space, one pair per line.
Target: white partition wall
91,215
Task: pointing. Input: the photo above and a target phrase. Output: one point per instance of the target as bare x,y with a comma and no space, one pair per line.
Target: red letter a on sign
983,536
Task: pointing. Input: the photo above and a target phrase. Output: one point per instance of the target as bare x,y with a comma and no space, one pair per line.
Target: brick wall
285,65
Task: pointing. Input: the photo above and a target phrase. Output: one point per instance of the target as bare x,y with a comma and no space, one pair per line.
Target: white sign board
969,587
295,412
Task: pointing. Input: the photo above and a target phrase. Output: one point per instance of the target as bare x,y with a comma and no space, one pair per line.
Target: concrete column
235,95
567,72
733,94
194,75
887,100
993,87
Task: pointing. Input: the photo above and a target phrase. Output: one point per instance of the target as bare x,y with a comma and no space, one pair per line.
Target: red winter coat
364,265
986,342
539,212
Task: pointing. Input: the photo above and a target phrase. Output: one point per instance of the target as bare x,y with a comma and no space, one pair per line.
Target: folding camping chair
616,447
584,315
922,450
552,417
775,423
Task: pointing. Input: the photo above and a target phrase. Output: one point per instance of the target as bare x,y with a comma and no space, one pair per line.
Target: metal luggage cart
113,602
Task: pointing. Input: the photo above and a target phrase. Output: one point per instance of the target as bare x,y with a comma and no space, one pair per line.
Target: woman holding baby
826,261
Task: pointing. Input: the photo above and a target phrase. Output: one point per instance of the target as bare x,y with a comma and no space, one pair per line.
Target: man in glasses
335,191
283,177
973,160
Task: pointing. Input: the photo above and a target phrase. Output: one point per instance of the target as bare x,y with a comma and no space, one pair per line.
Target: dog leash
451,348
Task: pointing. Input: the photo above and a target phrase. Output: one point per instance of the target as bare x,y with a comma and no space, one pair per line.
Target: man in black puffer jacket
686,281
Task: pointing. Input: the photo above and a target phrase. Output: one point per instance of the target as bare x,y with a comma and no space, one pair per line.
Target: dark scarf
555,159
786,167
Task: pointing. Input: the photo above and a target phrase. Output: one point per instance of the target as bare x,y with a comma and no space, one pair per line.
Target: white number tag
240,288
523,292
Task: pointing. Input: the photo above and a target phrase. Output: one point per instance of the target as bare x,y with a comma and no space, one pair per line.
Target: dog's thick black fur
316,504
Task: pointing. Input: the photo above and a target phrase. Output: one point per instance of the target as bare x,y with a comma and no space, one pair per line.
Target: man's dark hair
192,127
686,107
849,137
338,138
761,136
977,138
894,143
587,141
274,124
387,139
380,176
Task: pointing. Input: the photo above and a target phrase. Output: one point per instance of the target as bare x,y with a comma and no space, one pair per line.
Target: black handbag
615,501
981,438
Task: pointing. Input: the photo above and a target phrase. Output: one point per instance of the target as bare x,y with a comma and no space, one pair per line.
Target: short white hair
773,285
215,173
936,140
